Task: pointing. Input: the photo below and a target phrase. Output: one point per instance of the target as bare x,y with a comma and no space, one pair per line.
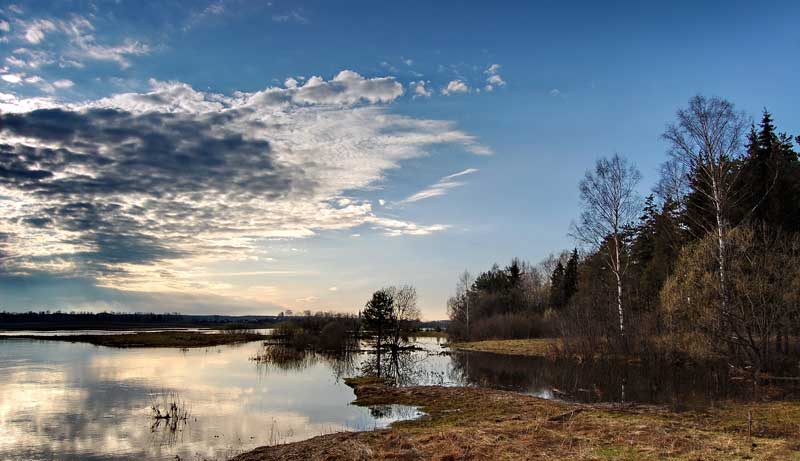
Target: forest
705,266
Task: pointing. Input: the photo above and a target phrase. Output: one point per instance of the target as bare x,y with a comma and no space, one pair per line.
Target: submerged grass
476,423
181,339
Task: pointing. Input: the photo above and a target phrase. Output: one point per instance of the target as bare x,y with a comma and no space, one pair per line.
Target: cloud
307,299
35,30
81,44
12,78
555,92
144,191
494,79
440,188
5,26
291,16
455,86
420,90
63,83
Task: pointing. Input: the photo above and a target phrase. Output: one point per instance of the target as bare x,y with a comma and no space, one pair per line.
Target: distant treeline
57,319
50,320
706,266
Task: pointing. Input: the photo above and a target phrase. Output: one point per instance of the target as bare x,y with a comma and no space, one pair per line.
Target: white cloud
494,79
555,92
333,289
12,78
82,43
420,90
290,83
25,57
5,26
455,86
307,299
35,30
64,83
440,188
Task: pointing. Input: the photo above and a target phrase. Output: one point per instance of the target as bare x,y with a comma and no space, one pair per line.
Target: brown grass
477,424
538,347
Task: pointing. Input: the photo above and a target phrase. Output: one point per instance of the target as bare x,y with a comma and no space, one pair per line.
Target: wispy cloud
75,42
440,188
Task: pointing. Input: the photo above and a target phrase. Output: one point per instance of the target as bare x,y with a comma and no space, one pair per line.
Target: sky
243,157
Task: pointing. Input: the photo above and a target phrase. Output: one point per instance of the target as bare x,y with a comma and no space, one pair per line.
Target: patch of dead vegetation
534,347
465,423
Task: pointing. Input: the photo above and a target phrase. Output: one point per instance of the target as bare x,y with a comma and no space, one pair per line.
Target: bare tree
458,306
609,201
404,311
706,142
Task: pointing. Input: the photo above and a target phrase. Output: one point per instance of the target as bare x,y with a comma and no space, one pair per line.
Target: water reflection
603,381
77,401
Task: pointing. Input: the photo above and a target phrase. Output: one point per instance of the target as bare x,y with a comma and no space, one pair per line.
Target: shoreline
174,338
478,423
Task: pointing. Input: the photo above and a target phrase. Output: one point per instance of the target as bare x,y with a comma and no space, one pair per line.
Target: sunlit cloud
148,192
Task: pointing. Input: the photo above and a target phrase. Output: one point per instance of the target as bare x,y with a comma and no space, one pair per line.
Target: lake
78,401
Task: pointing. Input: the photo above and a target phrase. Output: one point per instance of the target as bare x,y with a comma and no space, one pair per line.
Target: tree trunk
617,273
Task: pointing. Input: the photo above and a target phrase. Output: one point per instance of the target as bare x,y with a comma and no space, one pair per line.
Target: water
78,401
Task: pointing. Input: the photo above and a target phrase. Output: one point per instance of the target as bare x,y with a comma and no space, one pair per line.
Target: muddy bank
475,423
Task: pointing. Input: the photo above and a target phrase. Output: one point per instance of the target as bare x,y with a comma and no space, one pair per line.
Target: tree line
707,265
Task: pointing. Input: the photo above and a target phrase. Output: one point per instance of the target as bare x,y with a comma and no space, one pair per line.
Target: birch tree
706,141
609,201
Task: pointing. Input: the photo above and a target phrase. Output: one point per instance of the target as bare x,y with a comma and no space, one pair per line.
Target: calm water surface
78,401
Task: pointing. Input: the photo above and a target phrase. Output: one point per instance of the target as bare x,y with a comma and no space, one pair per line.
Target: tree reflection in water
600,380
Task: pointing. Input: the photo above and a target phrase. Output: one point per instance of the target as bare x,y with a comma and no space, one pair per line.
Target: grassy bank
474,423
156,339
537,347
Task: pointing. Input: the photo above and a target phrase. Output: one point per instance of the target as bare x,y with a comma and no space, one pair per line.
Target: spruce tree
557,287
570,283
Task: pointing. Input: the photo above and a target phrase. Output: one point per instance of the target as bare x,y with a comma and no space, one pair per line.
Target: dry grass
538,347
474,423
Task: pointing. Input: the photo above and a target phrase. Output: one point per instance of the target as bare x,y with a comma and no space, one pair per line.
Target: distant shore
478,423
181,339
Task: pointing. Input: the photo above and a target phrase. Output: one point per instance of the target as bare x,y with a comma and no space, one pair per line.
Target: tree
769,178
763,279
557,286
378,313
706,140
458,308
609,202
404,312
571,277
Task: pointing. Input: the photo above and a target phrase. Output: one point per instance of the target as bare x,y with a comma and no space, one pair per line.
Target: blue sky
247,157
